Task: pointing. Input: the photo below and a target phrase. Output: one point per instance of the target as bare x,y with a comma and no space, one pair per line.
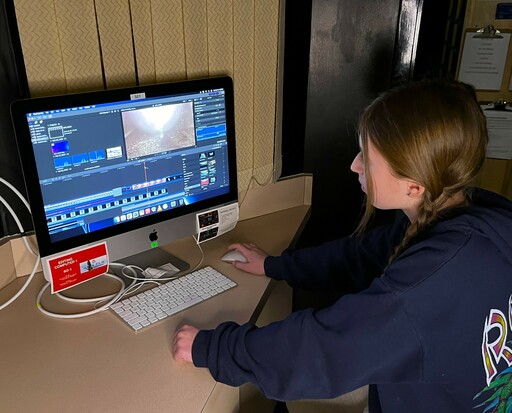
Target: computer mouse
233,255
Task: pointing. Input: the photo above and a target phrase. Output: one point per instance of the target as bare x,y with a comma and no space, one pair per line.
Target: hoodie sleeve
348,264
317,354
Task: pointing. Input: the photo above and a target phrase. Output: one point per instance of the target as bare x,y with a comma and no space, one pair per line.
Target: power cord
27,245
201,251
104,298
260,184
137,283
111,298
87,313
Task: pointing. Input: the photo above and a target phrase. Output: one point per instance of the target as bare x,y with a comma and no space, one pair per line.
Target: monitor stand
154,257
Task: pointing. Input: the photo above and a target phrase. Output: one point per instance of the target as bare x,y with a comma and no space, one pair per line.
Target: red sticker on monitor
74,268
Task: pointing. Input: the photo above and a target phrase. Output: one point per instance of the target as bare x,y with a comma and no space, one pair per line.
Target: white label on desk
83,264
211,224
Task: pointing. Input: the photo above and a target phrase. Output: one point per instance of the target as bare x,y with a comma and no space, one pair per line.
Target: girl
427,327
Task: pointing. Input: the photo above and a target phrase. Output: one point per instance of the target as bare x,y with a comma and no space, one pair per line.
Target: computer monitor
131,167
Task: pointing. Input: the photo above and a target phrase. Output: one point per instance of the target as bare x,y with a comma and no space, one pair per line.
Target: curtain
83,45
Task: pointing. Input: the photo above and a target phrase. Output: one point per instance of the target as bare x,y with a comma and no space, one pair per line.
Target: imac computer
128,168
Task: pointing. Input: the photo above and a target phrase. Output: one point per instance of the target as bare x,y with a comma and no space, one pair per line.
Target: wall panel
77,45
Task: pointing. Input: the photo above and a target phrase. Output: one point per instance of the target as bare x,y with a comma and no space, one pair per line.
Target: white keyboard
150,306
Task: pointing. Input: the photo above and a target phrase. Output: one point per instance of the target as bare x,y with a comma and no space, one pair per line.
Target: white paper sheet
499,126
483,61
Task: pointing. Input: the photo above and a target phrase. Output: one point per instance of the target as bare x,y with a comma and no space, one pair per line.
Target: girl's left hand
182,345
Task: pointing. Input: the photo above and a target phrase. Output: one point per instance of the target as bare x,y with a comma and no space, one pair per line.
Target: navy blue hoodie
429,333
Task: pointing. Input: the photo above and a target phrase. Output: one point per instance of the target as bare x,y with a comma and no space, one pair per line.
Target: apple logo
153,236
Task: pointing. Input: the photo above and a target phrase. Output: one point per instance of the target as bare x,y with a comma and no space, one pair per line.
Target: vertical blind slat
220,37
142,28
115,35
266,21
243,78
196,38
168,40
78,36
39,35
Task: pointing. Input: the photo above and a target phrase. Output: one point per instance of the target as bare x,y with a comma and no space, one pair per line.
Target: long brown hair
432,132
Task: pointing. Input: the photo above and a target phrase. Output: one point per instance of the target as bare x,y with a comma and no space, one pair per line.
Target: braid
427,214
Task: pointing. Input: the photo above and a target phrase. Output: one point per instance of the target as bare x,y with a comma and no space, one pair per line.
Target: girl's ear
414,189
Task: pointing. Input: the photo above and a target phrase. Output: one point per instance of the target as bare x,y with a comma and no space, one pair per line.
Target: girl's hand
182,345
255,258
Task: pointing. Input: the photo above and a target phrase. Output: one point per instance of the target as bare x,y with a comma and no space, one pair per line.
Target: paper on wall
499,127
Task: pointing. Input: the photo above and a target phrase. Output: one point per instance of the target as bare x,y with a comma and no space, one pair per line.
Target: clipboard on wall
484,55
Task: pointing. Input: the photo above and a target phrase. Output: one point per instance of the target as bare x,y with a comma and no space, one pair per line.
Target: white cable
87,313
106,297
136,278
161,278
11,211
18,222
253,178
20,227
136,284
24,286
13,189
200,250
132,268
113,297
85,300
134,288
29,247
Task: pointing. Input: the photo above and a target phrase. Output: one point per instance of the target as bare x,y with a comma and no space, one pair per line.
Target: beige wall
82,45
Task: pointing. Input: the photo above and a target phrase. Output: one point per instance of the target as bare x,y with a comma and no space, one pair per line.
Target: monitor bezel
20,109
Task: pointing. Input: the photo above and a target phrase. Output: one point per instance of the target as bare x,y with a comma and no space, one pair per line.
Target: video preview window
158,129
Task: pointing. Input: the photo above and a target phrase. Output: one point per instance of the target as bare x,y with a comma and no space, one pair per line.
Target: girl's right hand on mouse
255,258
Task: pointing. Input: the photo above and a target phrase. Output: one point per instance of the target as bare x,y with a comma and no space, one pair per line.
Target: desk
98,364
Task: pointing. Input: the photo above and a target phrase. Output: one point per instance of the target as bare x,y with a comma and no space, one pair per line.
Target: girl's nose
357,164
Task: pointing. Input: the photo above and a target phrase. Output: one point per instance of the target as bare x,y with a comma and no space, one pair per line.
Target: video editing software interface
102,165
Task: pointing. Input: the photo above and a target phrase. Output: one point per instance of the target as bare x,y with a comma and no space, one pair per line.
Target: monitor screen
126,166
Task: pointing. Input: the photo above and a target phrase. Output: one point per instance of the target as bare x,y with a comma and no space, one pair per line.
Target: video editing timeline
104,164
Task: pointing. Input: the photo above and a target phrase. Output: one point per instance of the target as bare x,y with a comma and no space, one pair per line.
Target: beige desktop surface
98,364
